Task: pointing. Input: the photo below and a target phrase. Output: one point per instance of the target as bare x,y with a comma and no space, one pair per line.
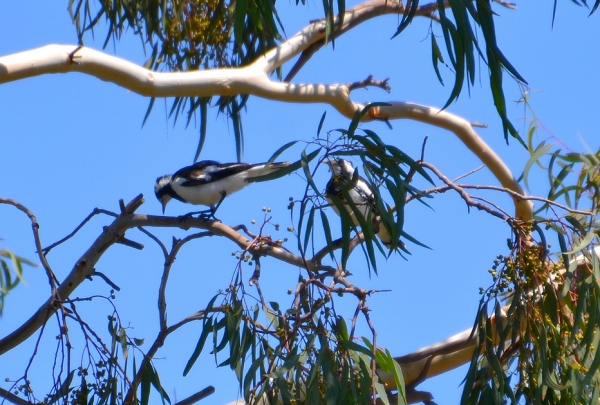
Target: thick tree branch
254,79
249,80
464,131
36,238
353,17
84,266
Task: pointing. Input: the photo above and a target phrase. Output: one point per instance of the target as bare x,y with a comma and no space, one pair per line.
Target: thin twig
507,4
370,82
443,189
496,206
462,176
155,239
36,237
106,280
465,196
96,211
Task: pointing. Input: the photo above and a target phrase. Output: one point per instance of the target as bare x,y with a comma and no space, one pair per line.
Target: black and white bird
342,173
208,182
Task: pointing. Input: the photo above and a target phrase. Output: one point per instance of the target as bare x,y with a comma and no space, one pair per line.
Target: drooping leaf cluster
184,35
305,354
542,344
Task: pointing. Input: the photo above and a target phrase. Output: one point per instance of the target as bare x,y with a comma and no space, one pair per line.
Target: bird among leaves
208,182
342,176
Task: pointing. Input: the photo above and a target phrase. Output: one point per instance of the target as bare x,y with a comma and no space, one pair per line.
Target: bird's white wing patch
211,169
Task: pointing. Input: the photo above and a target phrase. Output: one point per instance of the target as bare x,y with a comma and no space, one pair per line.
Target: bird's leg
215,208
210,213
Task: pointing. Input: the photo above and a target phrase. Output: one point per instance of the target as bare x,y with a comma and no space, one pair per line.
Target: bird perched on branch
208,182
342,175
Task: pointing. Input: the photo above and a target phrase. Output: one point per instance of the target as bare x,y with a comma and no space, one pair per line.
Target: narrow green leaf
409,13
591,373
404,158
459,67
155,380
591,326
304,161
206,330
322,121
447,26
341,12
146,383
576,224
238,133
241,9
583,243
309,227
280,151
327,230
64,388
364,222
346,224
359,114
203,126
286,170
123,342
413,240
436,56
234,347
542,150
398,378
380,389
251,374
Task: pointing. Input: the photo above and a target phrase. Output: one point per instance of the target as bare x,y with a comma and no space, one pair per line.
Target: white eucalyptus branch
248,80
254,79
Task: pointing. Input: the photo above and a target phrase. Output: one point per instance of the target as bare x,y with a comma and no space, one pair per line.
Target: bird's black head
340,168
163,191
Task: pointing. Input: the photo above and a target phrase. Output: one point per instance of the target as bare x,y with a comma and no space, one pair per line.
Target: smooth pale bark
248,80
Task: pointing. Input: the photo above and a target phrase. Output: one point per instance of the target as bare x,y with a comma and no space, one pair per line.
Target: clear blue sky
71,143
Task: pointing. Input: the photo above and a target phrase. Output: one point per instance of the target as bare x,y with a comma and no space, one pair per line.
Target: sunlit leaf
327,230
203,128
321,122
436,56
309,227
541,151
583,243
286,170
64,389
